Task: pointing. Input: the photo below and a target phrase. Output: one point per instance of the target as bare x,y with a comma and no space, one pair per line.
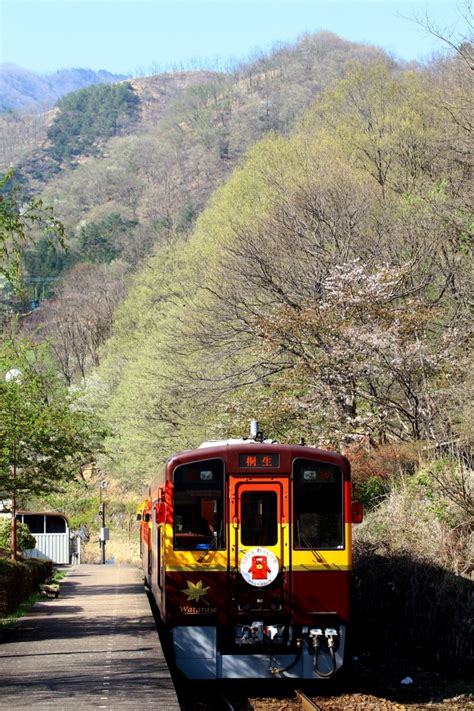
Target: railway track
302,702
305,702
226,704
248,697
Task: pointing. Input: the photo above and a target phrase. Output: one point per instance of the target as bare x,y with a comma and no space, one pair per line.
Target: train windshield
199,506
318,505
259,518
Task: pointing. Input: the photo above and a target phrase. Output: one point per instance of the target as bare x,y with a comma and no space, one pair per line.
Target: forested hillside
325,290
263,308
121,197
357,185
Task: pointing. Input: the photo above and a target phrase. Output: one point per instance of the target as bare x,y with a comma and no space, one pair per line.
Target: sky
145,36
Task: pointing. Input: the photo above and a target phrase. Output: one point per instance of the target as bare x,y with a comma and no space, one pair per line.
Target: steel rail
306,703
226,703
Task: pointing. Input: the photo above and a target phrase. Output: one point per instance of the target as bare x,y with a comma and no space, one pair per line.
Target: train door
157,558
160,518
259,548
145,540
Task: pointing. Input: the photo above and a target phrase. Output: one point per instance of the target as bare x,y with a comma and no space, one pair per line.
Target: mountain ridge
23,90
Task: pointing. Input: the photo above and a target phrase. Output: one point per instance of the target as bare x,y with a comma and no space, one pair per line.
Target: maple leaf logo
195,591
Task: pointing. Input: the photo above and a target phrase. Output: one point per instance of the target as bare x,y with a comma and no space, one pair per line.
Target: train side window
259,518
318,506
199,506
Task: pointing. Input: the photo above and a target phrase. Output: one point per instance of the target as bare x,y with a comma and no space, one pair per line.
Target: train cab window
259,515
199,506
318,505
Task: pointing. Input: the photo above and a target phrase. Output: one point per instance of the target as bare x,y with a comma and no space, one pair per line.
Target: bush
373,468
410,607
413,561
370,491
429,516
24,539
18,579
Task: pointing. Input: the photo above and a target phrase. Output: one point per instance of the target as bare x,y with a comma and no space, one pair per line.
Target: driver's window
199,506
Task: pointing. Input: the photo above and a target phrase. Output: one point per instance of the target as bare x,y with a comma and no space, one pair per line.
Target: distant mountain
26,91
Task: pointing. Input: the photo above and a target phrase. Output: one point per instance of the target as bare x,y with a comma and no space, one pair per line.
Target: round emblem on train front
259,567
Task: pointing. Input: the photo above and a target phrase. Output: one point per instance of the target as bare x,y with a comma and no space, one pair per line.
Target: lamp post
13,376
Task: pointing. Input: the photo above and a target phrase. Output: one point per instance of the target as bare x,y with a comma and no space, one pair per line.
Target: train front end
253,560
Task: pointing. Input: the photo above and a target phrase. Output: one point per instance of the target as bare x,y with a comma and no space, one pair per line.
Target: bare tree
77,322
461,41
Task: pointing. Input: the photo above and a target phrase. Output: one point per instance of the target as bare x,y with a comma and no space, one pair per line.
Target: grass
22,609
122,548
412,568
58,575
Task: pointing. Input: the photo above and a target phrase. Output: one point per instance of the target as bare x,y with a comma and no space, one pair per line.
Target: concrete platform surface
94,647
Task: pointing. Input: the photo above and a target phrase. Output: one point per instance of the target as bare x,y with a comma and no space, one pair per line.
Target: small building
51,531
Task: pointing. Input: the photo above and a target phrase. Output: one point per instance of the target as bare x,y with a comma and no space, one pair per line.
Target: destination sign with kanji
256,461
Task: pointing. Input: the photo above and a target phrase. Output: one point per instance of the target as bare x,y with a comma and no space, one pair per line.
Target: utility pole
104,532
14,522
14,376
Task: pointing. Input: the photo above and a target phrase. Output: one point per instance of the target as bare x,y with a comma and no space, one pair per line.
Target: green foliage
157,300
101,242
80,500
187,217
24,539
324,288
445,483
46,434
18,219
18,580
46,262
428,515
89,116
312,288
370,491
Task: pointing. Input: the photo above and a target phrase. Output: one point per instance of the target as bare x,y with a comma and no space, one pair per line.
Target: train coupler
260,633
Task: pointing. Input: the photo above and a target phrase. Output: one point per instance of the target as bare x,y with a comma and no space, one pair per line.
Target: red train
246,547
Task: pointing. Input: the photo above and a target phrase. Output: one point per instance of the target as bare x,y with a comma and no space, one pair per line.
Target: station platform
94,647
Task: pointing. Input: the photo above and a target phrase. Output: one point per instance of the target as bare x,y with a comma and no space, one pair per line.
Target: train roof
267,445
228,442
214,449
